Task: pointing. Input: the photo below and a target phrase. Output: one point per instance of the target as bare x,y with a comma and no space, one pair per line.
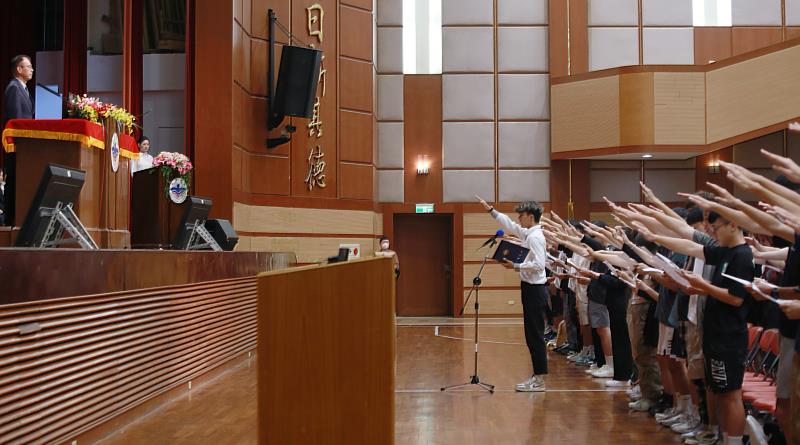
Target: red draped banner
77,130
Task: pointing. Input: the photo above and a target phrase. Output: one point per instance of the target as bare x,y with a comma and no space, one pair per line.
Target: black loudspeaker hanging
297,81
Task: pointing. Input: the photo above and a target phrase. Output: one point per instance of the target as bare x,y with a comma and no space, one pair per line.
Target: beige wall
313,234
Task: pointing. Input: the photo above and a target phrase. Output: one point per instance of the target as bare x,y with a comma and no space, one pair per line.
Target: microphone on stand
493,240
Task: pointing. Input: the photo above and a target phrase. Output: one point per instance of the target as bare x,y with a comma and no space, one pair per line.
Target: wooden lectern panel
154,217
103,202
326,354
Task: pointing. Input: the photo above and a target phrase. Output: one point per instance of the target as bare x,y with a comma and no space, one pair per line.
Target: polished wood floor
575,409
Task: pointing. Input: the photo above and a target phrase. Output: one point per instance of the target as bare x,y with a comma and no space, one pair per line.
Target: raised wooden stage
87,337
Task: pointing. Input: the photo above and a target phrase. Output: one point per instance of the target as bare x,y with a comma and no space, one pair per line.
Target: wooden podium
326,354
154,217
103,205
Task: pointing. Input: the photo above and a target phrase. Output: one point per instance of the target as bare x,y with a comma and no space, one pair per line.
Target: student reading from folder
535,294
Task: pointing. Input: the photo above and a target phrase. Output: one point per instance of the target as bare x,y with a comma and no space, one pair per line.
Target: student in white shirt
535,294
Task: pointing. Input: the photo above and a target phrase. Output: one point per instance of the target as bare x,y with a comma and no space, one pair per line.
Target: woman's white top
144,162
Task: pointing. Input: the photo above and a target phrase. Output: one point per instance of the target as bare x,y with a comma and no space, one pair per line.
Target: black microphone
493,240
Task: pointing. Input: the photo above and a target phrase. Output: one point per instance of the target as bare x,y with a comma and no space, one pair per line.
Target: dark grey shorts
598,315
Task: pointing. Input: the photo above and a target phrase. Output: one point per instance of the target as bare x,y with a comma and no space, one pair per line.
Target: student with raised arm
725,316
533,286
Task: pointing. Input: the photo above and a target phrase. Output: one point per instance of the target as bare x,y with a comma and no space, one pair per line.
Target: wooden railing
70,364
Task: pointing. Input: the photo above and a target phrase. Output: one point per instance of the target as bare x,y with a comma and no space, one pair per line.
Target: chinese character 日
315,15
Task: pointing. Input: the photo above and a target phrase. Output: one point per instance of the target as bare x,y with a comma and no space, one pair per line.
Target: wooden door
424,244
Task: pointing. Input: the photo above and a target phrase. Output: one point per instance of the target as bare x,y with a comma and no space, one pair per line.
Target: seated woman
145,160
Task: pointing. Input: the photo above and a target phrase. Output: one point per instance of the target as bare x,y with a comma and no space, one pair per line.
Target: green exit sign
424,208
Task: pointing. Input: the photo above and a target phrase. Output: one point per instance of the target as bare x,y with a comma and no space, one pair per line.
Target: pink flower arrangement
172,163
175,161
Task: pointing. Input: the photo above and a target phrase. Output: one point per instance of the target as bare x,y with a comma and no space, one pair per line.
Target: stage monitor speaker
223,233
196,211
297,81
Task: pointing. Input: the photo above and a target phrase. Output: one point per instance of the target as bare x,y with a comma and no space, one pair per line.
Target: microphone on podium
493,240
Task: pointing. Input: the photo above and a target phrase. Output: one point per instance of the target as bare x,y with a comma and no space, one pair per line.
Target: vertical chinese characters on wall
315,176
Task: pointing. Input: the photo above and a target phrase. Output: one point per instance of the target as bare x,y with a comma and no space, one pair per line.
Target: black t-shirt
725,326
791,277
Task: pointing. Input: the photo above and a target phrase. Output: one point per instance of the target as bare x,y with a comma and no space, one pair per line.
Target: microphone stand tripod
474,379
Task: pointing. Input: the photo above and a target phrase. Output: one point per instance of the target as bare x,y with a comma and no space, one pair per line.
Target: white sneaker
605,372
536,384
679,418
642,405
671,412
592,368
690,424
525,383
694,433
617,383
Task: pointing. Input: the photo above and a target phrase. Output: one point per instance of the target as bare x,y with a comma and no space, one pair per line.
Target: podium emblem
178,190
114,153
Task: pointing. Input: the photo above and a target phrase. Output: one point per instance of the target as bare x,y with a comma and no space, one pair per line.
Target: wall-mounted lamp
423,165
713,167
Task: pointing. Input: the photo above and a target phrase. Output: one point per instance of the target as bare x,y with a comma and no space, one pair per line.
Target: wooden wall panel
213,80
636,109
585,114
256,180
265,219
753,94
362,4
236,169
679,108
473,250
481,224
578,36
493,275
711,43
258,19
558,38
496,302
356,33
254,116
749,39
356,180
356,76
422,135
238,54
559,187
792,32
356,136
258,66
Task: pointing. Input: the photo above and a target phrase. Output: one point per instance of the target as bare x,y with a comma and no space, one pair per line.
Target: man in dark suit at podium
18,103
